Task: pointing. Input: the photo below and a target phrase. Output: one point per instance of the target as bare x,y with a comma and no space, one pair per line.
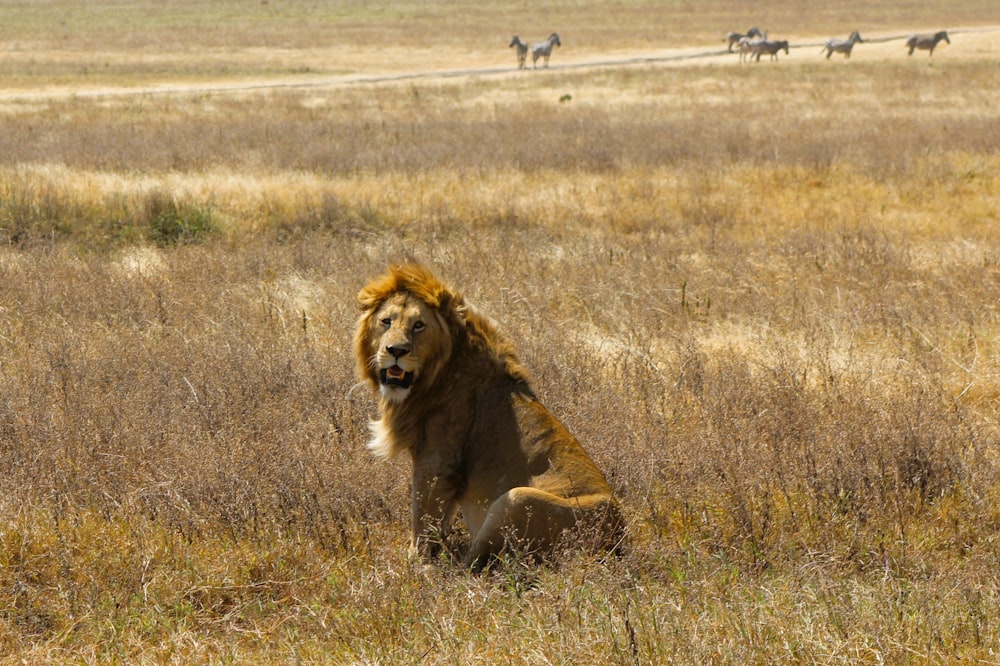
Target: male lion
454,396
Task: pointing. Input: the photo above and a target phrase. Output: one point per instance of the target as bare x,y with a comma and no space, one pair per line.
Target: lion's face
406,343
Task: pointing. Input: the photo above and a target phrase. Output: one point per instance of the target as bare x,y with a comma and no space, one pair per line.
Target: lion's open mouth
396,376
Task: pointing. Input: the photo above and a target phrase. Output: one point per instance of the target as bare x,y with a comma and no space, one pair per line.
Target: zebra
842,45
522,51
771,48
926,42
747,47
544,49
735,37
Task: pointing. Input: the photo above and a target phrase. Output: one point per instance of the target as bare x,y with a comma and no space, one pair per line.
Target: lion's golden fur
455,397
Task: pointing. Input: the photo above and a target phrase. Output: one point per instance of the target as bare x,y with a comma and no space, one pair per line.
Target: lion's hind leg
533,521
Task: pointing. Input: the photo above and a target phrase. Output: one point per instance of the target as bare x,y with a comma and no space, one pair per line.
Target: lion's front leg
432,509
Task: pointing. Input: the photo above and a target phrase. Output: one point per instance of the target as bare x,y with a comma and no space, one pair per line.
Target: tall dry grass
772,321
804,471
876,117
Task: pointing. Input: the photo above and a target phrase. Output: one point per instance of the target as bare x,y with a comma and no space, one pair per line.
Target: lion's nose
398,351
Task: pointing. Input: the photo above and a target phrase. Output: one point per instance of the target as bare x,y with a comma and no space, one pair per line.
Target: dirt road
979,42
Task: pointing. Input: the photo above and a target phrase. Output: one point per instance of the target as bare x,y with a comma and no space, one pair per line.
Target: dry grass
772,321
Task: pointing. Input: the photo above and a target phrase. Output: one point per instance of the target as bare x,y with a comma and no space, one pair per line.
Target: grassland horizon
764,298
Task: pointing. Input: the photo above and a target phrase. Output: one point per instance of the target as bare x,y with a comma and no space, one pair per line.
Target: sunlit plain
763,296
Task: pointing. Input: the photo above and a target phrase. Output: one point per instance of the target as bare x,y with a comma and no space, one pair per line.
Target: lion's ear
368,299
455,311
362,349
452,306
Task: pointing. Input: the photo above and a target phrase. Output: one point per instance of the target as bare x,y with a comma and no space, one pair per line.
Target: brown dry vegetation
772,320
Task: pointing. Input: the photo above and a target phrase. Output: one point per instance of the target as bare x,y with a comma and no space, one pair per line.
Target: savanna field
765,297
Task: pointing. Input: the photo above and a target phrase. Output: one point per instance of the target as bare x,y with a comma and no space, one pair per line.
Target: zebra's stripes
844,46
522,51
926,42
544,49
735,37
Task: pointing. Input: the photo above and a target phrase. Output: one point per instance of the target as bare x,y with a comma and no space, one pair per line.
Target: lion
452,394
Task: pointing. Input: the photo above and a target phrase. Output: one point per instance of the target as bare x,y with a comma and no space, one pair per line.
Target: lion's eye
387,322
418,326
